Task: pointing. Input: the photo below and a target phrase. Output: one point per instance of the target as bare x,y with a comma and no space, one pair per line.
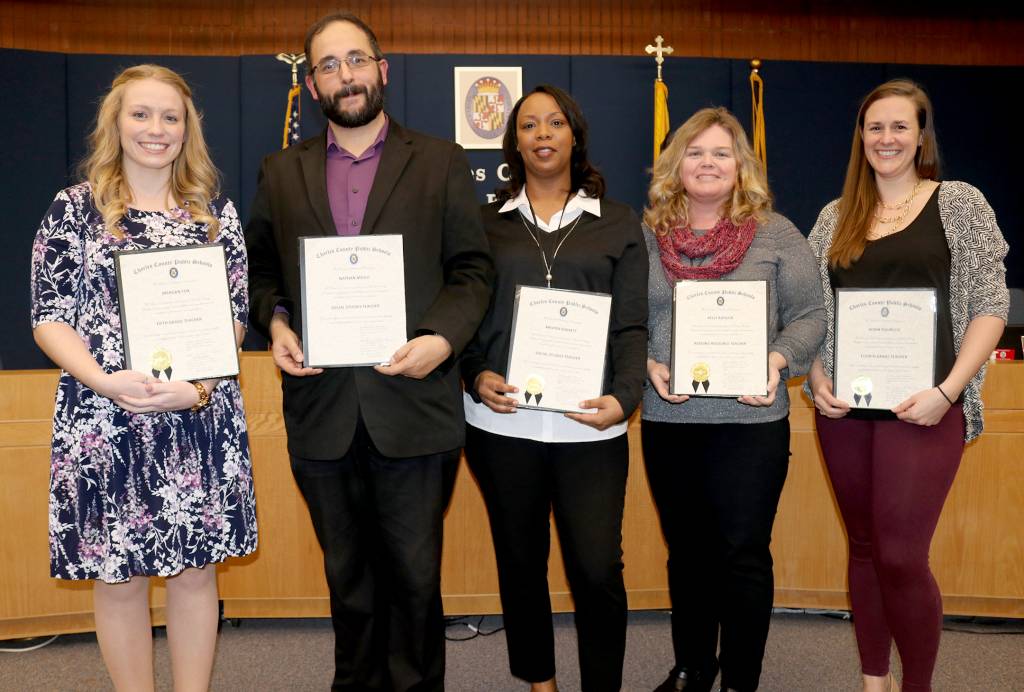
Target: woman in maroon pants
897,226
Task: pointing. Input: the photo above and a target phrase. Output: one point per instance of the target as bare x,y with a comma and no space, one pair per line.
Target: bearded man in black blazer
373,450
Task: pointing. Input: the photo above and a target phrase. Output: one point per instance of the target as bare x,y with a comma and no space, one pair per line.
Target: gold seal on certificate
558,346
176,316
720,338
534,388
884,345
160,362
353,299
700,372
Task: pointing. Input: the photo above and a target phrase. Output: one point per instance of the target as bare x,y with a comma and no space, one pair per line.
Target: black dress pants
585,483
379,523
717,489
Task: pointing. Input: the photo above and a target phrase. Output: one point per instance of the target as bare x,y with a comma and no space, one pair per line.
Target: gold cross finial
293,59
659,50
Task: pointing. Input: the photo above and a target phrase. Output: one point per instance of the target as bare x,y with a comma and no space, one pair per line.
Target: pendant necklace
536,236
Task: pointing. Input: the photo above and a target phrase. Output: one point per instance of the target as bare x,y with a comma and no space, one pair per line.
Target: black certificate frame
672,341
891,289
512,340
118,274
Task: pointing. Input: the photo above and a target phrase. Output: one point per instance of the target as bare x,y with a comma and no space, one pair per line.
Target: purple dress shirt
349,179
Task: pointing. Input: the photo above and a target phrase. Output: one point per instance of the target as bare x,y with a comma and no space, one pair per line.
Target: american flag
293,113
293,118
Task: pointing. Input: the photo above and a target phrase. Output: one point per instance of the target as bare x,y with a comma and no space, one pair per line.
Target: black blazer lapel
393,159
314,167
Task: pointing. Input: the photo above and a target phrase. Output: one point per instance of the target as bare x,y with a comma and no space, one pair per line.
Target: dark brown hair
329,19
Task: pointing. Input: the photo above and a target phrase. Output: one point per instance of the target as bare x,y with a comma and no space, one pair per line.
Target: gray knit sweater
796,321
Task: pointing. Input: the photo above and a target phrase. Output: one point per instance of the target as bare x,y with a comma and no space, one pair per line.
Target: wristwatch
204,397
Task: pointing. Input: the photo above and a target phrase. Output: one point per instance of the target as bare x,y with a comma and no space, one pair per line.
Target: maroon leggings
891,479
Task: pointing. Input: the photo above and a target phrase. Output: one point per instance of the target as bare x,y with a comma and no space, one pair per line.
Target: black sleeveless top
916,257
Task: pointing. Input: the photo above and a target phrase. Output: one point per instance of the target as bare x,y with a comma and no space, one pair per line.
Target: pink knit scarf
727,242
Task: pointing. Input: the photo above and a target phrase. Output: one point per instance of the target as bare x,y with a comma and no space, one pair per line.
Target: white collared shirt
577,205
542,426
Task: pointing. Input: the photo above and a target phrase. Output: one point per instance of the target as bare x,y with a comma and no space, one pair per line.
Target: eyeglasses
355,61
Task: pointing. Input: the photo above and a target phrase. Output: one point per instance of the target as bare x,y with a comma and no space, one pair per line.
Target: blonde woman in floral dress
148,478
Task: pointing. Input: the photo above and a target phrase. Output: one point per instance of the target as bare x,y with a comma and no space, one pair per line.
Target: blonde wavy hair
194,178
667,203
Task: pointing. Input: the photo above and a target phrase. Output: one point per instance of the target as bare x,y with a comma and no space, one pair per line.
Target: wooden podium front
977,554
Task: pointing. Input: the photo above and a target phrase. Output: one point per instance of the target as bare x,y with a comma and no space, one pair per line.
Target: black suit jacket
423,191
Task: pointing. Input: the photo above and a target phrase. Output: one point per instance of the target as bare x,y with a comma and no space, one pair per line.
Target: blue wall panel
617,96
809,109
979,137
215,91
264,82
34,122
430,95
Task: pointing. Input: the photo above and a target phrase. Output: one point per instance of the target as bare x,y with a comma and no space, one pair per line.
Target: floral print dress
136,494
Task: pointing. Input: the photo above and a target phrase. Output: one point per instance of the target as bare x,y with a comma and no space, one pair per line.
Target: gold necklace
895,220
905,202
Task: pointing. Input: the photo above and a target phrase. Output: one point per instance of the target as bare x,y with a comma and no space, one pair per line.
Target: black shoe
689,680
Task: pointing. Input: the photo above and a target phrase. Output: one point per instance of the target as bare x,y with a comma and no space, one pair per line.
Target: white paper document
720,338
353,299
558,347
885,345
176,316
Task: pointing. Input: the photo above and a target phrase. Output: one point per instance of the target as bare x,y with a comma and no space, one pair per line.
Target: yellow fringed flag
757,118
661,126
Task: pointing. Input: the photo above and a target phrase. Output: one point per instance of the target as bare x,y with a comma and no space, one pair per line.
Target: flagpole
293,112
661,121
757,113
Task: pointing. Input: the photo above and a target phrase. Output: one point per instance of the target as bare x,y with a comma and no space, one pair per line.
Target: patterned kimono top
977,276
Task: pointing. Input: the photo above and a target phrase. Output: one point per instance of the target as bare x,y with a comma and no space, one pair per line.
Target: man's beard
331,105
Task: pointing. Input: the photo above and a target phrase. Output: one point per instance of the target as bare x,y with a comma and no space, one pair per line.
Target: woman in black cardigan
553,227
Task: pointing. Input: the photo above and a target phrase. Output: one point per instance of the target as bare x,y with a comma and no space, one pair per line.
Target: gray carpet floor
805,653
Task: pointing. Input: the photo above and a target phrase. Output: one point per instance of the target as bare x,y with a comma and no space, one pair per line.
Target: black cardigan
603,254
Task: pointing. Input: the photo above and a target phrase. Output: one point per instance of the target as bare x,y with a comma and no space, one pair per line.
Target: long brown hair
667,204
194,178
860,193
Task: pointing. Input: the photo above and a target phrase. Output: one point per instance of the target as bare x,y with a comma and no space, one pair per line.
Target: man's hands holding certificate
418,357
286,348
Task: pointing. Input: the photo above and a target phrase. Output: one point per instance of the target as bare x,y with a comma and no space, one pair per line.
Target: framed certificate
557,351
884,345
176,317
353,299
720,338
